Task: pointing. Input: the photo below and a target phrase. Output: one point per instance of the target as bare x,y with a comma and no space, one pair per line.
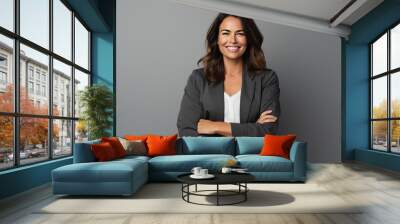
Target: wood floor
377,188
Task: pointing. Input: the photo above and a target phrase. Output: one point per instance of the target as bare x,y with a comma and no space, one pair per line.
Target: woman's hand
214,127
265,117
206,127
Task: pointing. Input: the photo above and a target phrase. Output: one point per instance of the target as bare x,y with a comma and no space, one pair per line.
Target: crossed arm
190,122
224,128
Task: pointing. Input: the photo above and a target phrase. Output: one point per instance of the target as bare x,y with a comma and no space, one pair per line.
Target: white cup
226,170
196,170
203,172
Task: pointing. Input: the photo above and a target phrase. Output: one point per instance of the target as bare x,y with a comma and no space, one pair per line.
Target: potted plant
96,102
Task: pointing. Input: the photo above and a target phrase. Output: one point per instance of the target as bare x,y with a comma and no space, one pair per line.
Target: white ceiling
314,15
318,9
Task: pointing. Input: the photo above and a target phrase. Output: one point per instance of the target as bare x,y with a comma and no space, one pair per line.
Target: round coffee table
238,179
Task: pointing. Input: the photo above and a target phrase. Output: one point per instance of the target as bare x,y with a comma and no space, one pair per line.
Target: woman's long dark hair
213,62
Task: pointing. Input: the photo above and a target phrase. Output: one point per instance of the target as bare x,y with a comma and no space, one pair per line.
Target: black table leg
245,193
188,189
217,194
196,188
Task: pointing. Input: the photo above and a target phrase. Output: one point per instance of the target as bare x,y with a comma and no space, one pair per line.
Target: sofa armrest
83,152
298,155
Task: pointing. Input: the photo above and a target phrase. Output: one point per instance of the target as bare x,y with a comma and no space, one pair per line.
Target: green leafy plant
96,102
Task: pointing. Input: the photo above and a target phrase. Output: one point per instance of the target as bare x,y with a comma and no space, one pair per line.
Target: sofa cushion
131,158
208,145
249,145
257,163
185,163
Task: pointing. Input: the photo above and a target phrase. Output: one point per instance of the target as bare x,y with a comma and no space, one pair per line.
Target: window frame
16,114
388,74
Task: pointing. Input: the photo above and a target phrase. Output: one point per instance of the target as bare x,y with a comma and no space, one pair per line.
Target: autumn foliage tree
33,131
380,127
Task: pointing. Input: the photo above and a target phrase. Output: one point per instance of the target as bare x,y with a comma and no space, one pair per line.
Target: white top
232,107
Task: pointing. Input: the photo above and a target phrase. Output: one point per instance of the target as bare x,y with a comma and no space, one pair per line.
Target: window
7,14
62,29
43,90
6,73
3,78
30,72
62,74
38,89
44,131
30,87
81,45
6,142
35,21
3,61
385,91
43,77
38,74
3,72
81,81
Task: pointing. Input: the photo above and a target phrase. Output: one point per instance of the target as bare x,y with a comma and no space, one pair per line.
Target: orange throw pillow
103,152
116,145
161,145
277,145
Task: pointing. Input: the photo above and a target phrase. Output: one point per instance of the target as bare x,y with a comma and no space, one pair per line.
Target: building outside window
3,72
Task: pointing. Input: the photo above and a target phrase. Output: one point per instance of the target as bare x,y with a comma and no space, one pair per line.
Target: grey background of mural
159,43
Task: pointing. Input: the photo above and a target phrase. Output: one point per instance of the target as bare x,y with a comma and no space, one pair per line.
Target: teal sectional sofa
125,176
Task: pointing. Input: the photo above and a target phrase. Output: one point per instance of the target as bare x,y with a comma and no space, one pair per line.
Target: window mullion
73,82
371,124
389,106
16,84
50,81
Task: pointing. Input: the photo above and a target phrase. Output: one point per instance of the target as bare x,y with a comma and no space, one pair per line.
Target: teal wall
356,84
103,64
99,15
103,52
24,178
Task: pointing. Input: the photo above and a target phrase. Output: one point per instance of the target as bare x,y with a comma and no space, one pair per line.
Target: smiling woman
234,94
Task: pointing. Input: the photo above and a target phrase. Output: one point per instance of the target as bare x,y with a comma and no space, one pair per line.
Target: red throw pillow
116,145
103,151
277,145
161,145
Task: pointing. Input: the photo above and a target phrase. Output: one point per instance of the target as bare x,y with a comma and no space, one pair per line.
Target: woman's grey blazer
205,100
